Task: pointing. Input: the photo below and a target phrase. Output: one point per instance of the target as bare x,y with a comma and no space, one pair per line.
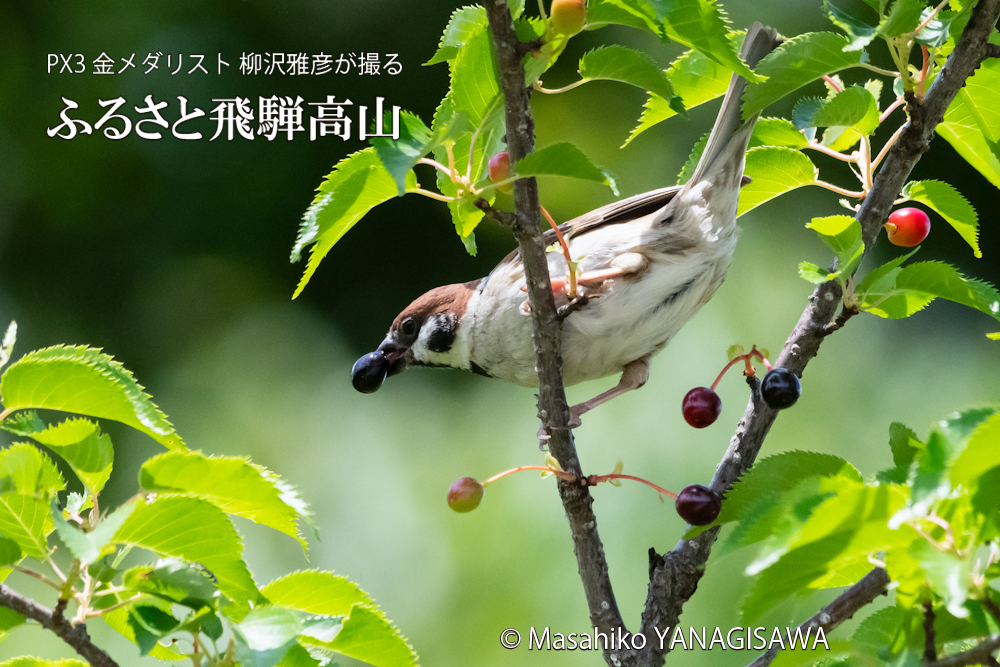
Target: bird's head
426,333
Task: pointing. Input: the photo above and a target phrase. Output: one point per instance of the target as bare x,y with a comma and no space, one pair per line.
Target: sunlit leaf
950,205
87,451
232,484
632,13
367,635
90,546
842,234
85,381
198,532
972,123
315,592
563,159
687,171
618,63
265,636
701,25
775,171
797,62
854,107
7,345
463,24
357,184
777,132
861,33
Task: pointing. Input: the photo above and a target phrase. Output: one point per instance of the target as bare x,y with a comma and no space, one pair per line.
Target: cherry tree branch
74,635
981,654
552,406
675,575
872,585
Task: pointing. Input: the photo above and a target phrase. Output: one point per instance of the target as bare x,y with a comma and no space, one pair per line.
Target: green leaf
368,636
357,184
779,473
903,18
563,159
919,284
701,25
463,24
87,451
972,123
198,532
400,156
797,62
692,162
774,171
734,350
298,656
10,554
695,79
932,464
10,619
85,381
817,276
961,425
777,132
149,624
119,620
232,484
175,581
315,592
617,63
947,575
853,107
861,33
474,82
7,345
839,536
842,234
882,278
631,13
26,470
90,546
265,636
980,456
25,519
875,634
901,442
23,423
950,205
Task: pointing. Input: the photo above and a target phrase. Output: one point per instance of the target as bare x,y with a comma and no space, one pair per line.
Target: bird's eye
408,327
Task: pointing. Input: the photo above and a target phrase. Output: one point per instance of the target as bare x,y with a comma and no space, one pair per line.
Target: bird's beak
397,355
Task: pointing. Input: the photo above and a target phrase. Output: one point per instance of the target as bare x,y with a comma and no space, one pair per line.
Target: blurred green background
173,257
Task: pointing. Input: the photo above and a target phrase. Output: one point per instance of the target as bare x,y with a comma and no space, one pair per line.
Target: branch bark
547,326
74,635
872,585
981,654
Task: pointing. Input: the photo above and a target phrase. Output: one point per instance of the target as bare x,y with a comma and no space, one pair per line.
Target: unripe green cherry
568,16
465,494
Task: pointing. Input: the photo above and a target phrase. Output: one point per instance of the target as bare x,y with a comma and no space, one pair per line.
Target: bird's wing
617,212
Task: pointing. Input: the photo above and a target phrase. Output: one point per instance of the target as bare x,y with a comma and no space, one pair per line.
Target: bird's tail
729,126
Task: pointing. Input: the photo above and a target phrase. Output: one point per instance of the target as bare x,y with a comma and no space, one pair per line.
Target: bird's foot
543,433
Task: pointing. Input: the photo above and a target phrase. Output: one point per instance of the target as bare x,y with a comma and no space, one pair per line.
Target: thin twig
982,654
872,585
74,635
930,648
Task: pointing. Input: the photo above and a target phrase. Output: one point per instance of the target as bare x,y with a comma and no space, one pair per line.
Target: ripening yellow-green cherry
568,16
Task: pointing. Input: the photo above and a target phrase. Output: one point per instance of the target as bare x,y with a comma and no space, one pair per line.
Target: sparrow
647,264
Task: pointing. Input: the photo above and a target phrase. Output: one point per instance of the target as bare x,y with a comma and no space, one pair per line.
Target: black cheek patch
443,335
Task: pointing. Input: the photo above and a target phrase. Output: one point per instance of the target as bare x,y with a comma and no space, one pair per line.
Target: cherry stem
565,248
923,71
594,480
749,372
833,84
561,474
892,107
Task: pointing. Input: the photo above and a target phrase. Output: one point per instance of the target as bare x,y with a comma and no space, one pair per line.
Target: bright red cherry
568,16
908,227
701,407
500,170
465,494
698,505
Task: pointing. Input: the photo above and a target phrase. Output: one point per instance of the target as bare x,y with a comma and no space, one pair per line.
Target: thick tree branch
873,584
979,655
676,575
930,646
74,635
552,406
